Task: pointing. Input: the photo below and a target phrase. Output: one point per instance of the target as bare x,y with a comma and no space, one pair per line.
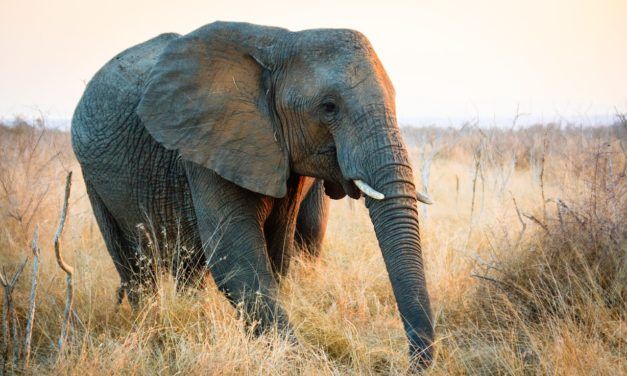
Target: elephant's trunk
395,220
396,225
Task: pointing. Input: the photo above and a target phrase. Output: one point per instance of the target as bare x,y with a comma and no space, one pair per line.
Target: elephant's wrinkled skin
224,141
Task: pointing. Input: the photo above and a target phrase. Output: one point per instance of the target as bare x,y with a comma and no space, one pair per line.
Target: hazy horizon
448,60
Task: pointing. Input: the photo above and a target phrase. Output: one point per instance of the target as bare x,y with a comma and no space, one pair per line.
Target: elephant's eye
330,108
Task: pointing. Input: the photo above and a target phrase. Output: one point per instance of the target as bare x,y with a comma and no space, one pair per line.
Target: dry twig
69,271
542,162
31,307
522,222
477,157
537,221
562,205
8,312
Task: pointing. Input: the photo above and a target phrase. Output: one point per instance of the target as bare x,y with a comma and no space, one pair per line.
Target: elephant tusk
368,190
371,192
423,198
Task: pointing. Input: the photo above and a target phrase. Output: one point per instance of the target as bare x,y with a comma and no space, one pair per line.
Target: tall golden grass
525,253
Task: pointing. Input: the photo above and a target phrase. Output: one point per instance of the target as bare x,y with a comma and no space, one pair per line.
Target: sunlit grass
549,299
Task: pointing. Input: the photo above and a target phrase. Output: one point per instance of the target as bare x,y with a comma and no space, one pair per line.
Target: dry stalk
537,221
474,188
31,307
69,271
16,337
8,312
542,160
522,222
456,191
497,283
562,205
435,147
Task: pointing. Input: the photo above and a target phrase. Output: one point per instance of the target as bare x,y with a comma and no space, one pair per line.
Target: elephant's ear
205,97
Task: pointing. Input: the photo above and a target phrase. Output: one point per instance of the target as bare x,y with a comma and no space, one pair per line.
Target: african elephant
229,139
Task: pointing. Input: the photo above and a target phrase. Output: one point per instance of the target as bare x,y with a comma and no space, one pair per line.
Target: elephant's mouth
345,187
337,187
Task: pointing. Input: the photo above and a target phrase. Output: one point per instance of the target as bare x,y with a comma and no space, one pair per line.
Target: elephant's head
256,104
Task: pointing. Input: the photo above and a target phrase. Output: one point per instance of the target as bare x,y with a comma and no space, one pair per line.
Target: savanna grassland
525,251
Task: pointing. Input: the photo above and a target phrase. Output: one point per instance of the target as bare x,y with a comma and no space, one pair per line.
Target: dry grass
540,290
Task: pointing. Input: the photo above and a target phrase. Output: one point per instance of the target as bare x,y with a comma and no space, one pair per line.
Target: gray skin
226,143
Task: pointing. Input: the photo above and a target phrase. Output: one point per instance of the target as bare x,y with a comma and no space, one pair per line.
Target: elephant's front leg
230,220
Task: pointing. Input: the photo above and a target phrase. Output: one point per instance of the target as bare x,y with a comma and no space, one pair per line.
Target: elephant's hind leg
123,252
311,223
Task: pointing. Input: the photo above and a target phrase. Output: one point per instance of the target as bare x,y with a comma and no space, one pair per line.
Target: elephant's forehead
333,44
344,76
357,75
338,68
314,75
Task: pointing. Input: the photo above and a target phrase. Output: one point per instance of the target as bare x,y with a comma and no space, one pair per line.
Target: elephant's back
107,108
133,174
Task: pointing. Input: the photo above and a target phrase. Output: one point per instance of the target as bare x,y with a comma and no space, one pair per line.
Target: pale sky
447,59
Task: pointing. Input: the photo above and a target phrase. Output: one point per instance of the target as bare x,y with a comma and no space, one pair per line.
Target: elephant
229,141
